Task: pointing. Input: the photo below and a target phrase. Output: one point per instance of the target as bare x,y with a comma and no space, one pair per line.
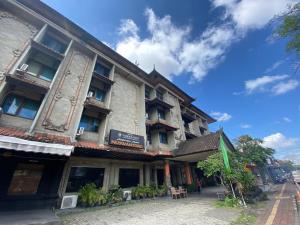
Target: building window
26,179
102,70
160,176
163,138
20,106
80,176
147,92
42,66
98,94
89,123
161,114
202,130
54,44
159,95
149,138
129,177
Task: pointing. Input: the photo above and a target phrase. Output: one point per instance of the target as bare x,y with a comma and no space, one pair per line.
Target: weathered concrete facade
69,97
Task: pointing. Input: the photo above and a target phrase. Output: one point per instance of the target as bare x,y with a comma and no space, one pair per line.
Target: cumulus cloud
220,116
276,85
245,126
279,141
174,51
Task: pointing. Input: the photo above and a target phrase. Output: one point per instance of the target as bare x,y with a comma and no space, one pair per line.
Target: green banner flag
224,150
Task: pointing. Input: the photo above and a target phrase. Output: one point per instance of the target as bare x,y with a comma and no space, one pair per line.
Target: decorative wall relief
63,105
15,34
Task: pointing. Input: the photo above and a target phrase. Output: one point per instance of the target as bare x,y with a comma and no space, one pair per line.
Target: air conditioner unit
1,111
69,201
80,131
148,143
127,195
90,94
146,116
24,68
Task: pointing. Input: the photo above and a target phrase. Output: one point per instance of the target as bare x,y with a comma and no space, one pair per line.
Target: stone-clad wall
127,106
67,95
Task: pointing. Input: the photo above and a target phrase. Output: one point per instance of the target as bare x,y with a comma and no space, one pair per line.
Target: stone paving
190,211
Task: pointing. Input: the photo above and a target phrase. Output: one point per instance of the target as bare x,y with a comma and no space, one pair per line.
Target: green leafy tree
251,151
290,28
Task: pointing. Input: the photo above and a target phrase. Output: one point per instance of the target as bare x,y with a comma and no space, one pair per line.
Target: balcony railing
103,78
25,79
159,123
158,102
96,105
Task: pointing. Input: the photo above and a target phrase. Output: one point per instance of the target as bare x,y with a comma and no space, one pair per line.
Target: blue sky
222,52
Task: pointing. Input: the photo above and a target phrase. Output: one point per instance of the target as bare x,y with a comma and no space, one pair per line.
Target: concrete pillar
167,173
188,173
147,174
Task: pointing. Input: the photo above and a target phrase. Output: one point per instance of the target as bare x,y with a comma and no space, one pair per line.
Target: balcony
46,50
159,123
187,116
93,104
188,133
26,79
158,102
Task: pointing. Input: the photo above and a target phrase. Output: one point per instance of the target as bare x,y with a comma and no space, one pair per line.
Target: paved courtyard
193,210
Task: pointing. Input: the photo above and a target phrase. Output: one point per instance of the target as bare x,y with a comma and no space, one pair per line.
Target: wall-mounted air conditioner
69,201
80,131
23,68
1,111
127,195
90,94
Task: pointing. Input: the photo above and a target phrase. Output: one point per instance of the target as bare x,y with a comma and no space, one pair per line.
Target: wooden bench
183,191
175,193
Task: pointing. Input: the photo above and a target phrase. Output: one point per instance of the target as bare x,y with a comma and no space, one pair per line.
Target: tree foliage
251,151
290,28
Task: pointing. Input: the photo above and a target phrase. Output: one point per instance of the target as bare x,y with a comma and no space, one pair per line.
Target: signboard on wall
126,139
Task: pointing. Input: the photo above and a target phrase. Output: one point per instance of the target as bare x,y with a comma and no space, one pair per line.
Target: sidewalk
280,210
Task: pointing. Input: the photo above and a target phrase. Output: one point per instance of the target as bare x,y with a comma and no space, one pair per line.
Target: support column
188,174
167,173
147,174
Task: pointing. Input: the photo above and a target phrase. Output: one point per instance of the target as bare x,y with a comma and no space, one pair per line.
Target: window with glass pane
20,106
54,44
159,95
100,95
102,70
147,92
89,123
161,114
163,138
80,176
42,66
129,177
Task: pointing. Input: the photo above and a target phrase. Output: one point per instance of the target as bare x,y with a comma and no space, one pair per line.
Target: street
281,209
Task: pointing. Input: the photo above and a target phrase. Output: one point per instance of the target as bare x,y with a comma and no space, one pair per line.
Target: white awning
18,144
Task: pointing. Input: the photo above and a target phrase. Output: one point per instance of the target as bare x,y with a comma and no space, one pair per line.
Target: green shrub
191,187
90,195
115,194
229,202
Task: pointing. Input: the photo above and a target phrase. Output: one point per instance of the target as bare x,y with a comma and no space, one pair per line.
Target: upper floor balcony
102,73
94,104
157,102
160,124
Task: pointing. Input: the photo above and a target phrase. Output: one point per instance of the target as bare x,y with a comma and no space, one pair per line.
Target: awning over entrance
18,144
201,147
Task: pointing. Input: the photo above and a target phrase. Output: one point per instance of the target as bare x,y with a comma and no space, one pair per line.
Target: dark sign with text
125,139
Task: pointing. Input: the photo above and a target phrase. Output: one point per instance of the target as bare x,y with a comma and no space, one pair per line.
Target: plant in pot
88,195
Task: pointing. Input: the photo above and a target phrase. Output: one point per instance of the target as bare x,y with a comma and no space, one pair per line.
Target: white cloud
276,85
174,52
274,66
286,119
220,116
245,126
283,87
252,14
279,141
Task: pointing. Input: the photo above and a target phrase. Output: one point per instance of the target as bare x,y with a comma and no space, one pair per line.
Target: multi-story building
73,111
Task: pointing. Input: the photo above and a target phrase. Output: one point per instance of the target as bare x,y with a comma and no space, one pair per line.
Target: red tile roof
51,138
